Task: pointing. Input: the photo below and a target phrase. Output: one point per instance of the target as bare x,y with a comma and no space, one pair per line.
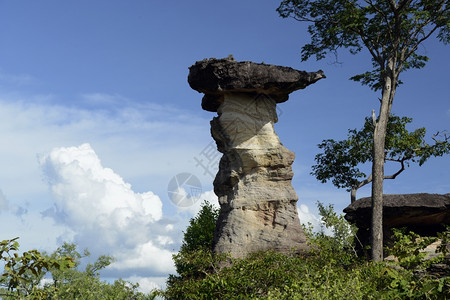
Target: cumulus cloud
105,213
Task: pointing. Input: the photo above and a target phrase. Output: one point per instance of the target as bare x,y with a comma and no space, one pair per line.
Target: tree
330,270
86,284
391,31
23,273
200,232
36,275
197,242
339,160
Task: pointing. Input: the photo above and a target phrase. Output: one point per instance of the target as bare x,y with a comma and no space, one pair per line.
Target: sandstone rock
258,204
425,214
216,77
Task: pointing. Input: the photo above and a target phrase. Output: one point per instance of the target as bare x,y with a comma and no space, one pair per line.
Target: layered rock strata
258,203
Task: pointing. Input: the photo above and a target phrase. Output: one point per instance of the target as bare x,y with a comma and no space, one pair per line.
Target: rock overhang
402,209
216,77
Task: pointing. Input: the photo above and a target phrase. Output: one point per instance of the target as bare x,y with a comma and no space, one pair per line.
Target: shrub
330,271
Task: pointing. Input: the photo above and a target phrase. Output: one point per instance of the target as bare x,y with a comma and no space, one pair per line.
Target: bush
23,276
330,271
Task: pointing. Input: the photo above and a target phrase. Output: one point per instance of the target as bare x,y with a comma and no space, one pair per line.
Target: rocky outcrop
425,214
258,204
217,77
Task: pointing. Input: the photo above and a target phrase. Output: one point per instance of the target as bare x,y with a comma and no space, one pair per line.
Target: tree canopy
391,31
340,161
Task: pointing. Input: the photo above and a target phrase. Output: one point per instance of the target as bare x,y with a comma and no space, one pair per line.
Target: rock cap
214,77
402,209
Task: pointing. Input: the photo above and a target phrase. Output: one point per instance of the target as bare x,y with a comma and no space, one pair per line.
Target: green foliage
340,160
23,276
341,242
199,234
409,249
445,241
86,284
23,273
329,271
411,281
391,31
196,245
270,275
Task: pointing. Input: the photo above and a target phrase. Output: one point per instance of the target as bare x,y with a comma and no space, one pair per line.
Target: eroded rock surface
258,203
425,214
216,77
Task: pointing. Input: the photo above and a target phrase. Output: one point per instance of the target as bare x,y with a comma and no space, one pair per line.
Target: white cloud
145,257
307,217
137,140
105,213
3,202
208,196
147,284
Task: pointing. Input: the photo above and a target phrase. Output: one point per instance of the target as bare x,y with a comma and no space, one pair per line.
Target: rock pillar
258,203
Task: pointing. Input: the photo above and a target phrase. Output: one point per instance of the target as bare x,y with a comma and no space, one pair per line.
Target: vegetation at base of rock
200,232
36,275
331,270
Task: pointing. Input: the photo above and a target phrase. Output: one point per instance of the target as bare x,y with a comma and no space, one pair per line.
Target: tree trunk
379,137
353,195
377,192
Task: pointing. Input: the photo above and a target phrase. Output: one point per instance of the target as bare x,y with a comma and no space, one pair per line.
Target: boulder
425,214
258,203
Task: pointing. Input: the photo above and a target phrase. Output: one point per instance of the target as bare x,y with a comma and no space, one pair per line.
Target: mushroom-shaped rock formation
423,213
258,203
216,77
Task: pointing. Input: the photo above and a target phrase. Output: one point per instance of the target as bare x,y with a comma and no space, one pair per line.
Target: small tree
86,284
27,276
340,160
23,273
195,253
200,232
391,31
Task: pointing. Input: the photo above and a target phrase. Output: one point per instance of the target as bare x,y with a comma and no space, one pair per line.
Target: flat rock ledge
258,205
403,210
215,77
423,213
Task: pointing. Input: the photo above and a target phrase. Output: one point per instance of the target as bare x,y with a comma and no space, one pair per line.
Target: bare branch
446,137
398,172
373,50
364,182
303,19
394,159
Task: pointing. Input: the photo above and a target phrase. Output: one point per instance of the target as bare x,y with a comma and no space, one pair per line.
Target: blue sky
95,108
